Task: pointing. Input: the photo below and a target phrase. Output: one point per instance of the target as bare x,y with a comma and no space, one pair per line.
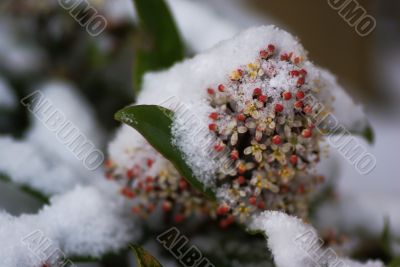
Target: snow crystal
7,97
294,243
87,221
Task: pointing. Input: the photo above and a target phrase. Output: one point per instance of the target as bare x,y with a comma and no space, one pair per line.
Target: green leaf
368,134
154,123
386,239
144,259
162,45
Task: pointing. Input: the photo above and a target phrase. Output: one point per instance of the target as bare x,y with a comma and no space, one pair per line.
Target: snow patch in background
368,198
8,99
15,55
41,161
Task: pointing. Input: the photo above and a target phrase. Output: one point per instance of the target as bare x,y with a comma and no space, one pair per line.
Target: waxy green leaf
161,44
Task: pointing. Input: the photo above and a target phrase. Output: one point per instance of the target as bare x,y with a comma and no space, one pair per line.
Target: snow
373,196
87,221
67,99
348,113
25,164
187,82
48,164
294,243
87,216
121,147
193,19
40,160
15,55
189,79
7,97
129,149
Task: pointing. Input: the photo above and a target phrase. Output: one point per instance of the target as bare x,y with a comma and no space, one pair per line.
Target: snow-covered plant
262,104
234,135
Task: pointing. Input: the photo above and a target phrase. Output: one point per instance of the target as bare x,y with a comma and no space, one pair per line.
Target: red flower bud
287,95
278,107
276,140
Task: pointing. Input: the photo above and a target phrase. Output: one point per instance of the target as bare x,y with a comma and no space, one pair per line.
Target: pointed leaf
144,259
368,134
162,44
154,123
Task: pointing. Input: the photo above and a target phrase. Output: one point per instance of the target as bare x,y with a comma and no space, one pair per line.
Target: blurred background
41,45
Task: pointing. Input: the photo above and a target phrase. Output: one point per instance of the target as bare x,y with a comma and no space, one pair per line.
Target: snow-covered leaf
154,123
160,30
144,259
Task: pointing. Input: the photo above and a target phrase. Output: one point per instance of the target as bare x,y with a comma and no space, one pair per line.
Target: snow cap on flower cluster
87,221
294,243
187,83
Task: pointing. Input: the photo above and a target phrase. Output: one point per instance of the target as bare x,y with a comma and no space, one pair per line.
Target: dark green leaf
154,123
368,134
386,237
162,45
144,259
